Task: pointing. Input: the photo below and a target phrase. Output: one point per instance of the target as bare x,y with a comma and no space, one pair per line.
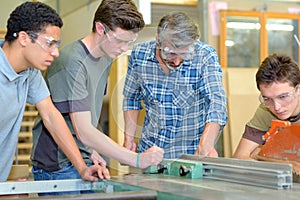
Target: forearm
131,120
92,137
101,143
245,156
208,138
97,140
246,150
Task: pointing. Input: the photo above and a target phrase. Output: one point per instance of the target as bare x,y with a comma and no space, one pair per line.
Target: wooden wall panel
243,100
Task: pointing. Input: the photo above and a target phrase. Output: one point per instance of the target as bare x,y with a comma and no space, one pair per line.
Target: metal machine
194,177
190,177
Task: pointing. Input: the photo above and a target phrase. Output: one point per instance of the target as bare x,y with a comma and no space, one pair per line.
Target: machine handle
183,171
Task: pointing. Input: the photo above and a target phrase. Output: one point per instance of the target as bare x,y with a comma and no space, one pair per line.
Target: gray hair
178,28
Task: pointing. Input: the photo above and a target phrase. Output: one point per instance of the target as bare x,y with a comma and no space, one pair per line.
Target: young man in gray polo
30,45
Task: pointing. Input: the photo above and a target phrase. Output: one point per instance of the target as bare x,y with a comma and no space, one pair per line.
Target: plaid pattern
178,104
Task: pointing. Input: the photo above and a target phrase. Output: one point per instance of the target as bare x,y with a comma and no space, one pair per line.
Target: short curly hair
33,17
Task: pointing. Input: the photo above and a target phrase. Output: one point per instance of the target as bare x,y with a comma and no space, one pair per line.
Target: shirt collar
295,118
152,48
6,69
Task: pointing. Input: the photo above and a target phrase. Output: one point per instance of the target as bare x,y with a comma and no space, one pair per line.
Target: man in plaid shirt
179,80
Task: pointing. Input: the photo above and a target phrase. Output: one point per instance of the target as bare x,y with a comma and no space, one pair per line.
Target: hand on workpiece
201,151
153,156
91,173
208,140
255,152
102,172
97,159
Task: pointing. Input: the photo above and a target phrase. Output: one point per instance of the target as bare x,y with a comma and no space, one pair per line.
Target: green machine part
177,167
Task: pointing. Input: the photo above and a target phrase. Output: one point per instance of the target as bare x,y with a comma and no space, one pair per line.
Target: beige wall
6,7
78,24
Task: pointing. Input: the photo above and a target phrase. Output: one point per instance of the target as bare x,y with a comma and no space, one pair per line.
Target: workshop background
243,32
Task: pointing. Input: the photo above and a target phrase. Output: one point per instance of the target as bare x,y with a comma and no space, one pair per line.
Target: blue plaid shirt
178,104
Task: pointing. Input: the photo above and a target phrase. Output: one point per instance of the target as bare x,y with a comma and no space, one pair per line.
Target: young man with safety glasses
277,79
77,81
179,80
30,45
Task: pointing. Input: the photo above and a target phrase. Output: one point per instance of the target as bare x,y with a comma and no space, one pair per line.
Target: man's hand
153,156
91,173
255,153
97,170
97,159
129,142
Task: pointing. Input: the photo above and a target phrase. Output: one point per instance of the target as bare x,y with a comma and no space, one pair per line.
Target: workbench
160,186
217,181
170,187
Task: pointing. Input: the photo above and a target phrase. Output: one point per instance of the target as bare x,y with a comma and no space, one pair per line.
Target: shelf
25,137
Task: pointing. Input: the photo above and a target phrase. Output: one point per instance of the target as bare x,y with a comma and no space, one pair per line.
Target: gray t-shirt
77,82
15,90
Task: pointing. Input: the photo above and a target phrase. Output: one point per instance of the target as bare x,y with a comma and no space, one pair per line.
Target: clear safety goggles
47,43
170,54
283,99
113,37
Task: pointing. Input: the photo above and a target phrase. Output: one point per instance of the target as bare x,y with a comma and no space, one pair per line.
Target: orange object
275,126
282,144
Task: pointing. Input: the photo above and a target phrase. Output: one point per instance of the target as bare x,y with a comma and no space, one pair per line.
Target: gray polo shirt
15,90
77,83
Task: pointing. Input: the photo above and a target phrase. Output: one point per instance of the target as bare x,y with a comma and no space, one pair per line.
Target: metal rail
257,173
106,188
52,186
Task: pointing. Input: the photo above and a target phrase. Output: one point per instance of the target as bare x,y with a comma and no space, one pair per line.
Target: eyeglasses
170,54
282,99
117,38
48,45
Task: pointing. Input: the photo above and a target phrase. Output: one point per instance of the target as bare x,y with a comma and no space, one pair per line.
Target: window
248,37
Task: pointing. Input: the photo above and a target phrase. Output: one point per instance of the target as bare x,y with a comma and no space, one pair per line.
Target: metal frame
262,174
